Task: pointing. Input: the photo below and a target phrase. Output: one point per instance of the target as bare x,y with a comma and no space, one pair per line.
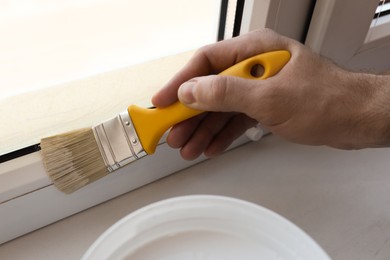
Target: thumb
219,93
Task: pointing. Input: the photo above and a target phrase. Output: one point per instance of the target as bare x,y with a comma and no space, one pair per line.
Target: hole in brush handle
257,70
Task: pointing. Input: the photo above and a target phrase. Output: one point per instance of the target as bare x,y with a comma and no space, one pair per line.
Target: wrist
377,108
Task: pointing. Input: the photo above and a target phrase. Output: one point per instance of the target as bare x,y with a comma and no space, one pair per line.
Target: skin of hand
310,101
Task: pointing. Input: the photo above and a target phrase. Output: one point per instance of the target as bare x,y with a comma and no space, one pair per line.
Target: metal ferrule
118,141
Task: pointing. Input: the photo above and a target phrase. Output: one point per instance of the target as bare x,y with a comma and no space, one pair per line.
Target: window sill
28,199
31,201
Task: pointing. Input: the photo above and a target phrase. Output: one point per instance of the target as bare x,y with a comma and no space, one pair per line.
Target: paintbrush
75,159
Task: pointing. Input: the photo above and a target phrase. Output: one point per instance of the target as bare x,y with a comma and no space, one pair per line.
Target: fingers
214,134
215,58
233,129
180,134
222,93
196,140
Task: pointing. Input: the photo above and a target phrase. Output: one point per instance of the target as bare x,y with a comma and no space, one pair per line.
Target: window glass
45,42
379,29
382,12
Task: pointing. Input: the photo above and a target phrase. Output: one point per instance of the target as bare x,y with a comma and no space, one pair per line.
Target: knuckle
205,50
218,89
265,31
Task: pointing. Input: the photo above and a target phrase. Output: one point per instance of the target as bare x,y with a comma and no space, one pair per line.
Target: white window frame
286,17
29,201
343,30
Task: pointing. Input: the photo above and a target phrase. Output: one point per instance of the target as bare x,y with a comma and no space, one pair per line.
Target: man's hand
310,101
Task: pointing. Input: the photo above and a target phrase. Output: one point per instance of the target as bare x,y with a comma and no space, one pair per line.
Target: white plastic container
204,227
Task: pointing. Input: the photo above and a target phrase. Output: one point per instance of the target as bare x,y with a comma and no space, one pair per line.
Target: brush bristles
73,160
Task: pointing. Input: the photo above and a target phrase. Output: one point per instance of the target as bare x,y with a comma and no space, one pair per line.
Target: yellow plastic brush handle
151,124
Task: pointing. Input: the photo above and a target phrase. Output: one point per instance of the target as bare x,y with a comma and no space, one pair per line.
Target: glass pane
45,42
382,9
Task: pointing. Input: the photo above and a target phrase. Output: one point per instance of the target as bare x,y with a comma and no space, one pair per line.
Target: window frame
28,199
25,188
26,191
289,18
342,31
